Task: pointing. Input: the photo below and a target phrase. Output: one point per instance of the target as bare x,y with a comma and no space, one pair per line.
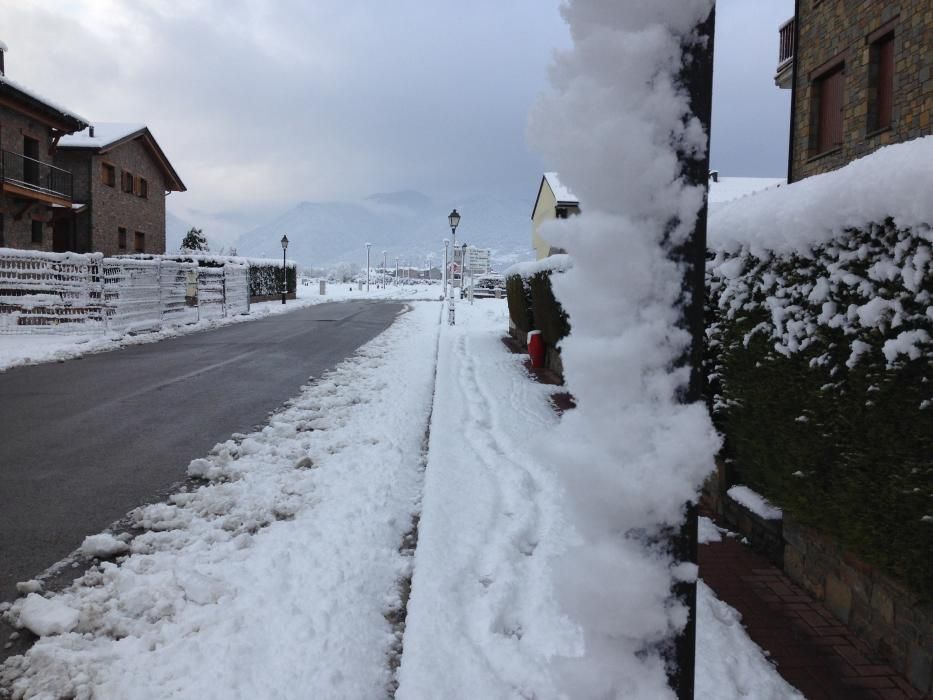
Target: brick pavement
813,652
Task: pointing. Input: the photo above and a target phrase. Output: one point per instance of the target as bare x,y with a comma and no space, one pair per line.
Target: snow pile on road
630,455
274,579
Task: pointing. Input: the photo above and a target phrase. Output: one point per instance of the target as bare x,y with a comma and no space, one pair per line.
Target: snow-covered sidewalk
280,576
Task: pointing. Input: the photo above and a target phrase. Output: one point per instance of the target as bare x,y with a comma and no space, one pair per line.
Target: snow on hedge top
104,135
561,193
894,181
552,263
4,80
755,502
727,189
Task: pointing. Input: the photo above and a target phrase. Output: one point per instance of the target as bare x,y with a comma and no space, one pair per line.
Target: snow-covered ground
278,577
35,348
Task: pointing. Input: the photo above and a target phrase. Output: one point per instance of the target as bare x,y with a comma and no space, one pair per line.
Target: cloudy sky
260,105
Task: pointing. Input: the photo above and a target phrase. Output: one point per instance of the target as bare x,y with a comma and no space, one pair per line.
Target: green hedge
841,440
518,295
549,316
265,280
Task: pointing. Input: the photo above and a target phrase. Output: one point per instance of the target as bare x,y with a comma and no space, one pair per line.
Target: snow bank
755,502
891,182
103,545
275,579
552,263
44,617
630,455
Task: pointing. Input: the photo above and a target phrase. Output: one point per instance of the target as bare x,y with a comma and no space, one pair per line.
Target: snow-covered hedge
820,353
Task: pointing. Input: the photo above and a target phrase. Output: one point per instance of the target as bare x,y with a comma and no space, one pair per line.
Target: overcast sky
260,105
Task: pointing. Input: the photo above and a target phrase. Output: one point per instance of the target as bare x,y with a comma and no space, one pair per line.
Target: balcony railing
34,175
785,53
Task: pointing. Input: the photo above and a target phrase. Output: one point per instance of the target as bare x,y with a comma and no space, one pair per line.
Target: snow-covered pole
454,220
697,77
368,246
384,261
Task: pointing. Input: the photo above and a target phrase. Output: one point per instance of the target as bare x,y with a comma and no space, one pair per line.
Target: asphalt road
85,441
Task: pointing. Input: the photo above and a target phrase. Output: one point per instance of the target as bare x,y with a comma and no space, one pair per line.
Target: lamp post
368,246
396,271
284,272
454,220
446,265
463,270
384,260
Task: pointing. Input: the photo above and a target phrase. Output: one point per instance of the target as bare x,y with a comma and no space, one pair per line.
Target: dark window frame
38,234
108,174
827,94
121,238
143,188
129,182
139,242
881,78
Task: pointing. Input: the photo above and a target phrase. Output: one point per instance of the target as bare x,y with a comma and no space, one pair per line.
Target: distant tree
195,240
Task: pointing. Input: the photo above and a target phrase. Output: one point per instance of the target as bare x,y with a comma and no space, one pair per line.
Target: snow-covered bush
266,279
820,352
518,295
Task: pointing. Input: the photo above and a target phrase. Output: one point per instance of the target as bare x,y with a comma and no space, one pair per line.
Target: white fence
69,292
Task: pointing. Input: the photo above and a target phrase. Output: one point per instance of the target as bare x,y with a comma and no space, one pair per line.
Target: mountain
175,230
406,224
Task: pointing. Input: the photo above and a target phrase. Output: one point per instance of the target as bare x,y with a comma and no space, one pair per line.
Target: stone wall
895,621
831,29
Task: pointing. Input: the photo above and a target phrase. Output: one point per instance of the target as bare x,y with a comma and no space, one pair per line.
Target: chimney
90,131
2,52
714,175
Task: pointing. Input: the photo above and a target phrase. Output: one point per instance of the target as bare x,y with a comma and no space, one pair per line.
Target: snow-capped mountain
406,224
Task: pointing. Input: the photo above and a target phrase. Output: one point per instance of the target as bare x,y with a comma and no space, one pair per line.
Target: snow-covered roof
561,193
730,188
104,134
7,82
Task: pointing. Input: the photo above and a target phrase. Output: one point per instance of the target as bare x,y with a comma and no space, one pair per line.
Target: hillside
407,224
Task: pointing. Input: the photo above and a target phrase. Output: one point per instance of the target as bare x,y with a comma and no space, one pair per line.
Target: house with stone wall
860,76
37,199
123,176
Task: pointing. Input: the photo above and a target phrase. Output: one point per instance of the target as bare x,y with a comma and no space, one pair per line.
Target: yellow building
554,201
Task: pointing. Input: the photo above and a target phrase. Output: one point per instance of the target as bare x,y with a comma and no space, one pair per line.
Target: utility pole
697,77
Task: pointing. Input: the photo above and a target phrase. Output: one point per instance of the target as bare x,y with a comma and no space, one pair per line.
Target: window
108,174
31,160
139,242
827,113
121,238
143,189
1,217
127,184
880,81
37,232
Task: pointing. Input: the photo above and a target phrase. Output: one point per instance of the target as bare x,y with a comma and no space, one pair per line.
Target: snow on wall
630,454
236,289
210,292
131,294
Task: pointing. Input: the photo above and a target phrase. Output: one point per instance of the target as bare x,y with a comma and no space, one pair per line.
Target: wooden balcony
28,178
785,69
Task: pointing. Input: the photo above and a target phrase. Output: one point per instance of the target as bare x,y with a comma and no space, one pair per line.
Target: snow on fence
87,293
55,291
211,292
236,288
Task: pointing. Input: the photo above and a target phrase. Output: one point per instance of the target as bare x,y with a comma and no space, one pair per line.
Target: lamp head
284,242
454,219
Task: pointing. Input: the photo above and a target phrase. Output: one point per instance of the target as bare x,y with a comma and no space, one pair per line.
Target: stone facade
839,30
17,232
110,208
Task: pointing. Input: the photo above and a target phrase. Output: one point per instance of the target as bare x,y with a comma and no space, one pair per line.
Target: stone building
123,176
37,198
860,73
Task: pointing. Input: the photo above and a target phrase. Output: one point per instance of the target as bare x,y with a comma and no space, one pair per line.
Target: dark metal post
284,277
697,77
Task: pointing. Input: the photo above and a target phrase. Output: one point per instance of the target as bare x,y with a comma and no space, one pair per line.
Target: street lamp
463,269
368,246
446,265
384,260
454,219
284,273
